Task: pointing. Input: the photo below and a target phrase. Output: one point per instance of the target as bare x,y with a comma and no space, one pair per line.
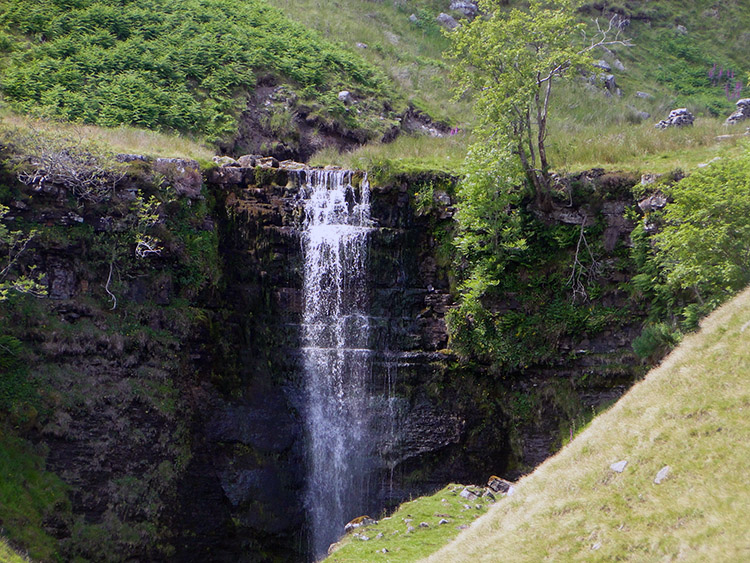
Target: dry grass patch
118,139
690,414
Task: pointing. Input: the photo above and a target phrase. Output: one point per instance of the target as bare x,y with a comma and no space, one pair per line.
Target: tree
13,244
510,61
704,248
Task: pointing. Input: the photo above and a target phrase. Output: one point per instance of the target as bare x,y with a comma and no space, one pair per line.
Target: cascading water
337,359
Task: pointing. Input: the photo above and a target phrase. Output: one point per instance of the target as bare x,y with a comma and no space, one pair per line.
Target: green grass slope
691,414
8,555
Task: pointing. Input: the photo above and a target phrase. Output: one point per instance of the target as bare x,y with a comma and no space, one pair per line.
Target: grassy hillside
165,64
689,414
8,555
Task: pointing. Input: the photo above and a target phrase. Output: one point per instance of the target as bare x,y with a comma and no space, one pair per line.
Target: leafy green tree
13,244
704,248
510,61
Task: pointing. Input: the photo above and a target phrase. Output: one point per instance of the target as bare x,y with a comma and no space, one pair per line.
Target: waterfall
337,357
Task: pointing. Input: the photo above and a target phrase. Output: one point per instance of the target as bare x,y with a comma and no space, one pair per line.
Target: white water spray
337,358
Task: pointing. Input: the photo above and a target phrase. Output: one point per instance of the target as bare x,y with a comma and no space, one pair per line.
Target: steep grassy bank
689,414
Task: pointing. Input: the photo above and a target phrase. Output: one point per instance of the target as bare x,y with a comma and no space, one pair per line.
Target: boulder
468,9
447,21
413,18
679,117
346,97
249,160
609,82
653,203
498,485
742,112
644,95
602,64
225,161
358,522
468,494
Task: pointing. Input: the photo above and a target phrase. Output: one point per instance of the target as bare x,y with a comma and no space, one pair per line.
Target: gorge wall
176,417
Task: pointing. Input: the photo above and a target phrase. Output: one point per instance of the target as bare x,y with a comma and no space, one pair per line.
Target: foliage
704,247
510,61
14,244
85,170
655,341
164,64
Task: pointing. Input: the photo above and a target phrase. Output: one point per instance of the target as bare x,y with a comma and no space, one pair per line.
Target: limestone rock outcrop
679,117
741,114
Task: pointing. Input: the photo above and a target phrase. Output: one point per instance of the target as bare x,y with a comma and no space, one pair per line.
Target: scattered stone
704,164
462,527
644,95
443,521
511,491
596,546
346,97
384,550
413,18
619,467
468,494
225,161
741,114
467,507
724,137
424,525
662,474
409,529
468,9
361,45
489,496
407,520
679,117
604,65
617,64
447,21
364,538
358,522
498,485
379,536
681,29
479,506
